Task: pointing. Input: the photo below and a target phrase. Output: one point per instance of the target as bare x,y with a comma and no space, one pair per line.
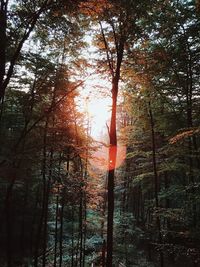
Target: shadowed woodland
58,206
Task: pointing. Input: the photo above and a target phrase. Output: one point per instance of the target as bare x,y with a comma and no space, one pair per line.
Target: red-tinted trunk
111,173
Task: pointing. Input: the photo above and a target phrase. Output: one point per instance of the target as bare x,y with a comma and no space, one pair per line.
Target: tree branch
110,61
27,33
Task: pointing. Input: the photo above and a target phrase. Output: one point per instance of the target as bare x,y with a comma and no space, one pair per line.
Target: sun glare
96,104
97,109
99,112
100,158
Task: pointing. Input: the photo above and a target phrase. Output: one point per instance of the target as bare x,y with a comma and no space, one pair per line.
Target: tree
118,25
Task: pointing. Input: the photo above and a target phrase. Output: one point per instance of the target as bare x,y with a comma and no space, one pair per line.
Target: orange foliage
182,135
93,7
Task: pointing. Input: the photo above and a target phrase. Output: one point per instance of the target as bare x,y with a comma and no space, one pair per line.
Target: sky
95,102
95,98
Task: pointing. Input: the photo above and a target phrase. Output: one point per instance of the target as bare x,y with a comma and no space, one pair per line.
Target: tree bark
56,232
3,25
81,227
72,255
111,173
61,228
155,181
44,191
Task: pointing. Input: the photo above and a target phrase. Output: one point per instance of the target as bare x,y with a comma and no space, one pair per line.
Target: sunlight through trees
99,132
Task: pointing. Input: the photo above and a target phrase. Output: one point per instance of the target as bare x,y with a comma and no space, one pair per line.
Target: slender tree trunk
44,191
61,228
3,26
72,255
23,225
32,231
115,72
104,253
85,225
62,210
8,213
81,227
38,235
85,197
192,145
167,201
102,227
8,216
156,182
45,234
111,173
56,231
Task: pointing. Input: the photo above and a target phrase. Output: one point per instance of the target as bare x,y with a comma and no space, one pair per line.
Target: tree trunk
104,254
23,224
72,255
44,191
56,231
45,234
61,227
155,182
34,222
111,173
3,25
62,210
84,226
81,227
8,213
192,145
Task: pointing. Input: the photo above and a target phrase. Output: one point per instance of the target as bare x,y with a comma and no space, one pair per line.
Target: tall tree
118,25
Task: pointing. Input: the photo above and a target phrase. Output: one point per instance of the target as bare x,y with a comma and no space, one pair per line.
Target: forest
108,185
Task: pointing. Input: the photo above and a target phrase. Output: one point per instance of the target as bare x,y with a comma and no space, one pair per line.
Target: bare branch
110,61
115,36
